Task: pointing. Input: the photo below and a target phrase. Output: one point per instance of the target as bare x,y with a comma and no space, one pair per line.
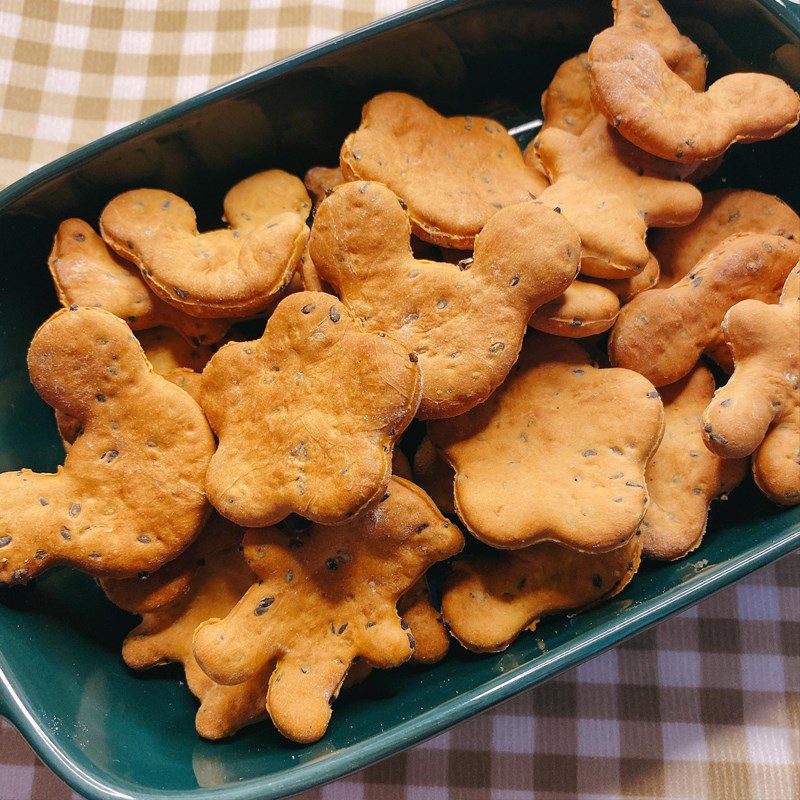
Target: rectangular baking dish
110,733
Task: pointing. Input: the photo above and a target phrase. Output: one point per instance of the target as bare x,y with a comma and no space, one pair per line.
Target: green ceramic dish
111,733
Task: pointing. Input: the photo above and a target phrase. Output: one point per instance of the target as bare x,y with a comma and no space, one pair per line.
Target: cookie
71,427
230,272
488,601
758,410
663,332
431,641
567,102
326,596
655,187
400,465
321,181
130,494
465,322
683,477
610,228
725,212
167,351
647,19
654,109
87,273
306,416
435,476
583,310
560,428
627,288
453,174
165,636
146,592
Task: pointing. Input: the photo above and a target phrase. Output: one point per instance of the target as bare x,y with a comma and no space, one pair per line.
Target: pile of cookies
250,501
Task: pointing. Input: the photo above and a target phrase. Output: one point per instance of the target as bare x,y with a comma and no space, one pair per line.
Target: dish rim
459,707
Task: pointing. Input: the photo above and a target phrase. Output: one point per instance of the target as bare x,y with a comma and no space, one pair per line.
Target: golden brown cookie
583,310
230,272
87,273
683,477
487,602
401,467
725,212
166,351
306,416
653,108
567,102
559,428
648,19
149,592
435,476
453,174
627,288
655,187
165,636
612,231
321,181
189,380
431,641
758,410
325,596
663,332
463,322
130,494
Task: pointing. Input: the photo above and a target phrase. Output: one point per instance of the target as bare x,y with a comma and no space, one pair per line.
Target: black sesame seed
725,403
5,541
75,509
101,398
413,358
180,292
307,309
343,628
589,453
262,607
334,314
514,281
43,501
497,347
144,539
65,534
634,485
597,580
332,564
652,394
404,625
465,263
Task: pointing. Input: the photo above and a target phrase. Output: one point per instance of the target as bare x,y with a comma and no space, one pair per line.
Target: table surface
706,705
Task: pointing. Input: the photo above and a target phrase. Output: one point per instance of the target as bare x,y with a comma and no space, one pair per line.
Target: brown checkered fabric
704,707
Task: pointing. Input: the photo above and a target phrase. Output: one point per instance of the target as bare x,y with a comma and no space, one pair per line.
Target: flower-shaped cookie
464,322
758,410
564,430
663,332
87,273
326,596
453,174
488,601
130,494
230,272
307,415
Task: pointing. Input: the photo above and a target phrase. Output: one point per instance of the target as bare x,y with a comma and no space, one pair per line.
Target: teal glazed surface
111,733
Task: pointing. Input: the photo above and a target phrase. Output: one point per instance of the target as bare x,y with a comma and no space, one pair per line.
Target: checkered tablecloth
707,705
